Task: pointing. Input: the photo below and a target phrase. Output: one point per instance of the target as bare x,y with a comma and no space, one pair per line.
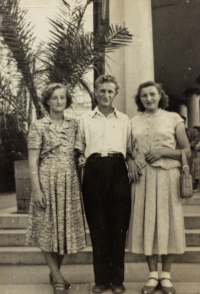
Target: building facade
164,48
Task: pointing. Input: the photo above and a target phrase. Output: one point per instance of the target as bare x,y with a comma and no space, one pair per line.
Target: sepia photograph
99,146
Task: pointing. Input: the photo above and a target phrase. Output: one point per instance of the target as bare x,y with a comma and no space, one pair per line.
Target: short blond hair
106,79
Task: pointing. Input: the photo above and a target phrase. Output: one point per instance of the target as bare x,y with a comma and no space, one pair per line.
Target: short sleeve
80,137
34,137
129,141
177,119
75,125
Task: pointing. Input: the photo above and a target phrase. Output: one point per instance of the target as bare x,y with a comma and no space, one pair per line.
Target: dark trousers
107,201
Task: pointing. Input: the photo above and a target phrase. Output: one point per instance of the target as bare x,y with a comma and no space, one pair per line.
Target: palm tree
18,35
70,52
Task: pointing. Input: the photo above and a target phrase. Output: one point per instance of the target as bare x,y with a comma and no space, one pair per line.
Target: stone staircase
13,231
23,269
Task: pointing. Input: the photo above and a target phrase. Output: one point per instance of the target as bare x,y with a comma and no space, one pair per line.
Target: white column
133,64
139,55
115,63
184,111
193,111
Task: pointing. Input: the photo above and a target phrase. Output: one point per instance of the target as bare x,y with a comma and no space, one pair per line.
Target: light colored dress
60,227
156,224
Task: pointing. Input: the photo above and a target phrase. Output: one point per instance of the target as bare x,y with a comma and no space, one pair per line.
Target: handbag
186,187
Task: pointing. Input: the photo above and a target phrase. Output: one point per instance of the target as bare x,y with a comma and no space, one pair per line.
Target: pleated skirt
156,224
60,227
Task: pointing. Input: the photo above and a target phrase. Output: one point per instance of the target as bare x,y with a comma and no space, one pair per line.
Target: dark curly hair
48,91
164,100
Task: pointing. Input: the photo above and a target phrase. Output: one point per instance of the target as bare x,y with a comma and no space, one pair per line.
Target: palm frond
14,101
110,38
69,54
85,86
72,52
18,36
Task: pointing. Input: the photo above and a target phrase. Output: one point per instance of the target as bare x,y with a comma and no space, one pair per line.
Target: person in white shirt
103,139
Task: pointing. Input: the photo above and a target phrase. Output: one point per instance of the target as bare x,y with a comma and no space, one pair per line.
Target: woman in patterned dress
195,147
156,225
55,223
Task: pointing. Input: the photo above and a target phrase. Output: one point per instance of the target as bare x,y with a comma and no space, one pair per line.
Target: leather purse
186,187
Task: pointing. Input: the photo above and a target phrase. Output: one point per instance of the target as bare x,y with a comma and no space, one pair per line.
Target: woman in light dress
55,218
157,224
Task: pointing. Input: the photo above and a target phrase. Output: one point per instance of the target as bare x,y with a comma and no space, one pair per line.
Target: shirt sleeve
177,119
34,137
80,137
129,141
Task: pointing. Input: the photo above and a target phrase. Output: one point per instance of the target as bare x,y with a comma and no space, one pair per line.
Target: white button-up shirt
100,134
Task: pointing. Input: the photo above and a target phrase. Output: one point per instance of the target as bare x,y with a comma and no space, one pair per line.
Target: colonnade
134,64
191,110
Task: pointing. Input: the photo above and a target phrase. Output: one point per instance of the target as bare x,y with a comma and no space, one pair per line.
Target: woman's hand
39,199
133,172
153,155
81,161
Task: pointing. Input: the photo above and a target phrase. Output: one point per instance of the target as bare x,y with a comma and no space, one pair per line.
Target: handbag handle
185,165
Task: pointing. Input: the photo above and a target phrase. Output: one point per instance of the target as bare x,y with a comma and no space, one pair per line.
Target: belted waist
105,154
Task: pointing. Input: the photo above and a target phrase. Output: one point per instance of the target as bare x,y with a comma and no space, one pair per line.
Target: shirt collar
96,111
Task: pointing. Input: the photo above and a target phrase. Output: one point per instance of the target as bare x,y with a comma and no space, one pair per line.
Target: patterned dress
156,224
60,227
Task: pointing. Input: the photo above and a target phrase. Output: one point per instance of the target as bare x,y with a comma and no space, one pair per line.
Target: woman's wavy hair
48,91
164,100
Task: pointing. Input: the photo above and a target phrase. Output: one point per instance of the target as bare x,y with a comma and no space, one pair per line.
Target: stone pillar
115,63
133,64
193,111
184,111
139,55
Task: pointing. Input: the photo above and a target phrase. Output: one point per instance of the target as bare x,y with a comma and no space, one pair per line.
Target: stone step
131,288
83,273
191,216
9,219
32,255
192,237
194,200
42,288
13,238
17,237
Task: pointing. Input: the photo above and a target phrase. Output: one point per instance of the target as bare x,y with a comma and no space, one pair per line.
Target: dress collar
65,123
159,112
47,119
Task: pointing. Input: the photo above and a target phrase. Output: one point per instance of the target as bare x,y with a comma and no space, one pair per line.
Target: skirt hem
55,251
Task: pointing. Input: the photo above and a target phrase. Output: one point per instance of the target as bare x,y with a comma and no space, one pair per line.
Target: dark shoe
151,289
100,289
67,285
118,288
167,290
59,288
